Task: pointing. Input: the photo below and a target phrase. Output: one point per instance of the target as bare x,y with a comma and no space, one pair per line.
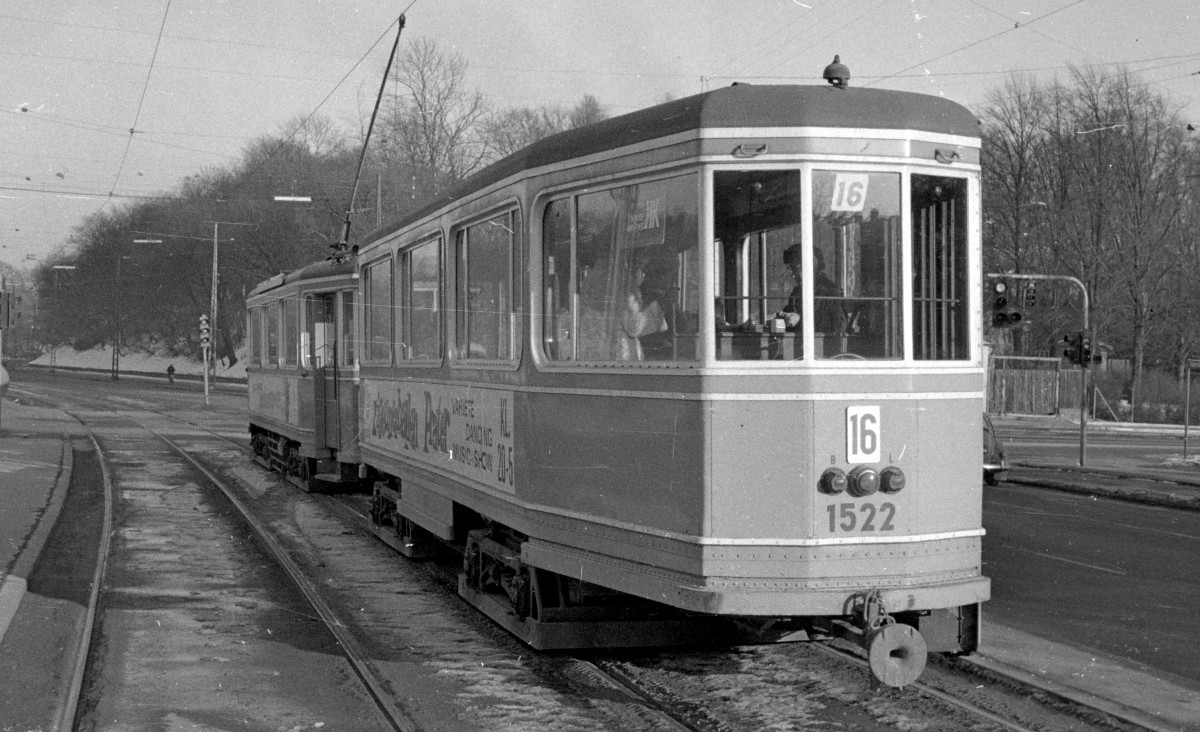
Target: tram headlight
864,480
833,481
892,480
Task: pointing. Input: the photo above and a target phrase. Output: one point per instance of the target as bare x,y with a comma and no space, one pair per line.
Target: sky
104,103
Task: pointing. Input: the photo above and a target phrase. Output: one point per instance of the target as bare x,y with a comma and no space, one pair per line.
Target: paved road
1115,576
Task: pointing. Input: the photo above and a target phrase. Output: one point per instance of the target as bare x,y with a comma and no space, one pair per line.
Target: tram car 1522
710,369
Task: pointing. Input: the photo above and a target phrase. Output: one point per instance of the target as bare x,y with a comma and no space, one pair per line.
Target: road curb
1166,499
982,665
12,591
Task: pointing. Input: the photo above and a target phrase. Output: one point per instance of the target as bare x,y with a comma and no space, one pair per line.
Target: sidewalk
1174,484
35,469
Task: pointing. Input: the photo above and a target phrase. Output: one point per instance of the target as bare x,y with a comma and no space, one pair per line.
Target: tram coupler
896,652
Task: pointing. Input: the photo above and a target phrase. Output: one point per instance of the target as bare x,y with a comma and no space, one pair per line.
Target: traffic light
204,332
1085,349
1004,314
1073,341
1030,299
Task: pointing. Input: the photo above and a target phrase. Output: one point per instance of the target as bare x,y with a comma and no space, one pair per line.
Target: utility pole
210,355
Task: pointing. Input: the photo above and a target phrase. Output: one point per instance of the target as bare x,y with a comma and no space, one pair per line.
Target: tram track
648,695
68,707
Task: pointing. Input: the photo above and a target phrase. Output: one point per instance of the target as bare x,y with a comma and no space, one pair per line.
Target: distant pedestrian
170,373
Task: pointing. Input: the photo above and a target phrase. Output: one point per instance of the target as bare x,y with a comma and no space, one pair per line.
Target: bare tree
434,126
588,111
512,129
1086,179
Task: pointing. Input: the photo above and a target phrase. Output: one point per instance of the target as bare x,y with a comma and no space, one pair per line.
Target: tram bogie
715,364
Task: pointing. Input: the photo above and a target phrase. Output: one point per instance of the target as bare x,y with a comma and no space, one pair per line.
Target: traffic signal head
1000,303
1071,351
1030,299
204,331
1004,314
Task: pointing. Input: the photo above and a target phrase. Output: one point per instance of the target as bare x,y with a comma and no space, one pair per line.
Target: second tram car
302,374
718,358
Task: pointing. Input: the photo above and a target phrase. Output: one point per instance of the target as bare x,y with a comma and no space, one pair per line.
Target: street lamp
116,354
57,299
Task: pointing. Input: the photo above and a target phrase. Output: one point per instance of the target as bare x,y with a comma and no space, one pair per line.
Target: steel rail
374,685
68,707
399,719
930,691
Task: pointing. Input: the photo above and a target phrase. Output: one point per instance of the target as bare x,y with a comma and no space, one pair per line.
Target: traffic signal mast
1005,314
205,341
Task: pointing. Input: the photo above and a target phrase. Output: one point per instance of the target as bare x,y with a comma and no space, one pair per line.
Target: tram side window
273,334
377,312
623,283
557,302
347,334
856,258
291,331
484,292
421,302
256,339
939,241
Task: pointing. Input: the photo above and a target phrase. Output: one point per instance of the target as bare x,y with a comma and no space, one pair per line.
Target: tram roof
737,106
343,266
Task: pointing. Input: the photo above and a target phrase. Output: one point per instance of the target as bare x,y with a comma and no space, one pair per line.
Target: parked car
995,461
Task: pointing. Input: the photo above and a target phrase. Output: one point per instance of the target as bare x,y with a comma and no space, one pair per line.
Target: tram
717,361
302,374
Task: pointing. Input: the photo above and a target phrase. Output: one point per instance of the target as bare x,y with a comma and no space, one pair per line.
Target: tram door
323,359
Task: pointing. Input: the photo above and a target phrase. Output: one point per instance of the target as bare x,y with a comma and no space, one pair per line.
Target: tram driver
830,317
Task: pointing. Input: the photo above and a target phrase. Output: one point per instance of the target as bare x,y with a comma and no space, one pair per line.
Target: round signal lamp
833,481
892,480
864,480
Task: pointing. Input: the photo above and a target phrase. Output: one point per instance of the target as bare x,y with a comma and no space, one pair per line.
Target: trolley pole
1085,309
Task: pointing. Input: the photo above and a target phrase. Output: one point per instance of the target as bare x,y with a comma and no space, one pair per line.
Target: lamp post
116,354
57,300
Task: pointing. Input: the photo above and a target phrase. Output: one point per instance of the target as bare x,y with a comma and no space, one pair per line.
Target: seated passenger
643,327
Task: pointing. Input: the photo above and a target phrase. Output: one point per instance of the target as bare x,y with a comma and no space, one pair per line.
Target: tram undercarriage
313,475
551,611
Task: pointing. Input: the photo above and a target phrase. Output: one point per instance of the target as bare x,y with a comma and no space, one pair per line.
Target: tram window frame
347,335
758,214
846,256
941,304
290,335
420,322
472,242
379,325
255,328
864,258
273,311
621,274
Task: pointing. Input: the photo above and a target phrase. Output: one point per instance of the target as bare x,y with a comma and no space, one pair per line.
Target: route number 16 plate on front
863,436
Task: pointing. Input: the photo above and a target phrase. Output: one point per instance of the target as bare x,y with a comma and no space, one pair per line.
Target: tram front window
856,226
763,266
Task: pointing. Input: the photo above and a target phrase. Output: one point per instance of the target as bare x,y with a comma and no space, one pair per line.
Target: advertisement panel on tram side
278,398
463,429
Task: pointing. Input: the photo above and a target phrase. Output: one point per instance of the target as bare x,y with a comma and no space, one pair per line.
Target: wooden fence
1023,385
